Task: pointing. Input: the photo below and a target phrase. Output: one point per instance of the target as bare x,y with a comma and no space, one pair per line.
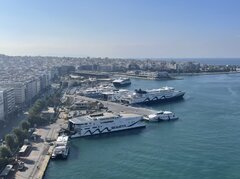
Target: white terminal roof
102,116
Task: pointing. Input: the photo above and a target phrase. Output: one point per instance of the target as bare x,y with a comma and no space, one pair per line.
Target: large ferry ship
153,96
103,123
121,82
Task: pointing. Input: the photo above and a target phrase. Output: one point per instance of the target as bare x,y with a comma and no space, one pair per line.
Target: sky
121,28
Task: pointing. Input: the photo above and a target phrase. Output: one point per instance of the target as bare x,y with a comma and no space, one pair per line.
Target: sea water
203,143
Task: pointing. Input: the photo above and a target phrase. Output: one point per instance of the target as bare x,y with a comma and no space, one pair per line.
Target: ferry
121,82
92,93
96,92
61,149
162,116
153,96
107,122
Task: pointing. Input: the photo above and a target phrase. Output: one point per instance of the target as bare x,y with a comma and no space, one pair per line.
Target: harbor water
204,143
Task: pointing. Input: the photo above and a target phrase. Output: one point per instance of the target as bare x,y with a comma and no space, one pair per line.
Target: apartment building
9,101
1,106
19,90
31,90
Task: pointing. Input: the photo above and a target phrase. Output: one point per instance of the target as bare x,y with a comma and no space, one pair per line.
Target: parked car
21,166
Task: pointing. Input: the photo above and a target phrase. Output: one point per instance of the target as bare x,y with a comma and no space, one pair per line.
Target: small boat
60,152
61,149
162,116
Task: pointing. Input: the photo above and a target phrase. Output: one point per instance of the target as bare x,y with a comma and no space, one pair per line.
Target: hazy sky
121,28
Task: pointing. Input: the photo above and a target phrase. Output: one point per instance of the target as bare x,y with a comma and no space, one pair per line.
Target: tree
25,125
10,141
37,107
3,163
36,120
4,152
20,135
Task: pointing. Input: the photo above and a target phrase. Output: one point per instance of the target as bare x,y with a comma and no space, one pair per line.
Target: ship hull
160,100
91,133
121,84
60,156
161,119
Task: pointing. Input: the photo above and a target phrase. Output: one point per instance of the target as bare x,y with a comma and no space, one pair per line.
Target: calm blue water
221,61
204,143
211,61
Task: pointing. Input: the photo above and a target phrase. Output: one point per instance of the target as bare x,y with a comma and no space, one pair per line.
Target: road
40,149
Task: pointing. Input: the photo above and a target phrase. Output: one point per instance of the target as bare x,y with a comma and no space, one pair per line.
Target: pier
37,161
117,107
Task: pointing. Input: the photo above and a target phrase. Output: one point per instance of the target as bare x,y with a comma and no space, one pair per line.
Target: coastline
115,107
45,163
197,116
204,73
148,78
176,76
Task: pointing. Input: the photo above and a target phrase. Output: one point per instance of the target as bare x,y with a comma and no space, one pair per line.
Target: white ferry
103,123
61,149
153,96
162,116
121,82
92,93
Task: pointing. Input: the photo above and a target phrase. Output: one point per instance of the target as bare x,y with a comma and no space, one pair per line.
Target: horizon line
132,58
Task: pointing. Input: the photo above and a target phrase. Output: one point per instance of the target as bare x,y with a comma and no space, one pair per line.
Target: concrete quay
117,107
37,161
